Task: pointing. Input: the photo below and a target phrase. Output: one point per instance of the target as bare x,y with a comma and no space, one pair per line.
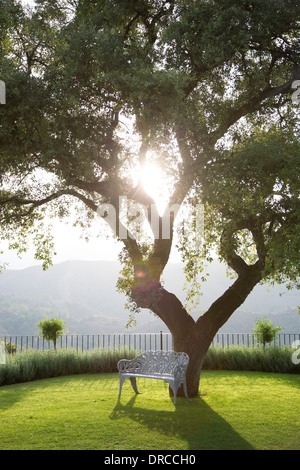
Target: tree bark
195,344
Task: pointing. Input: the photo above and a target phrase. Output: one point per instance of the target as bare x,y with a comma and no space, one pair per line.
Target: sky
68,246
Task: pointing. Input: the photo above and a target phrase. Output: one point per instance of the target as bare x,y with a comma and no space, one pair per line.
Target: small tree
51,329
11,348
265,331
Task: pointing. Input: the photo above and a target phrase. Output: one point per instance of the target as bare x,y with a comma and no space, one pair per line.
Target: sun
151,179
154,183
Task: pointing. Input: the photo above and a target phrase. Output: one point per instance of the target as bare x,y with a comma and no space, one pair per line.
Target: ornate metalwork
169,366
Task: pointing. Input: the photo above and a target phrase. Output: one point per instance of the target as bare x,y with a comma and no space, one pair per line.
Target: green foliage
11,348
251,196
72,70
51,329
265,331
272,359
33,365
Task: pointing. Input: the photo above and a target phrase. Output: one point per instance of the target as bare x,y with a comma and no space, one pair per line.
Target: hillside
83,292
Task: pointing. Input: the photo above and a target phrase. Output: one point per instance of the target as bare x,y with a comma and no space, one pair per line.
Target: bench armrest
180,370
122,364
127,365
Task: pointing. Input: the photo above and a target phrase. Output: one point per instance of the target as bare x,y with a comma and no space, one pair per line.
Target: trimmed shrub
32,365
271,359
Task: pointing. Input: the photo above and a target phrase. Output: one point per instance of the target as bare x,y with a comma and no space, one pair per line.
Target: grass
237,410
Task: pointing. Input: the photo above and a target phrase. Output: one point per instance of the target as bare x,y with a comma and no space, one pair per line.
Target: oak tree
98,93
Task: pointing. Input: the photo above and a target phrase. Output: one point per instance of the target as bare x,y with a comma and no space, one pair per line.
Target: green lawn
237,410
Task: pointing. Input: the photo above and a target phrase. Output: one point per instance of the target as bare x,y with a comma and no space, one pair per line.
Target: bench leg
185,391
121,384
134,386
175,389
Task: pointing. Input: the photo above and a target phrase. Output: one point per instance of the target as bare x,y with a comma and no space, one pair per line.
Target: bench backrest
162,362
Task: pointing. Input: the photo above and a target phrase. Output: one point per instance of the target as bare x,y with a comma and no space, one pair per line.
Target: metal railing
250,339
137,341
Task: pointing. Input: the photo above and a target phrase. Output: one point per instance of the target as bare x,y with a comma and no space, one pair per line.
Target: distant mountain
87,284
83,293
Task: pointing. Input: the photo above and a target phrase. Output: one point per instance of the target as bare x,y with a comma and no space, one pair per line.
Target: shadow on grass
194,422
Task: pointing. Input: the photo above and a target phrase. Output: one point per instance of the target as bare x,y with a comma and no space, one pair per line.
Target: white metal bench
169,366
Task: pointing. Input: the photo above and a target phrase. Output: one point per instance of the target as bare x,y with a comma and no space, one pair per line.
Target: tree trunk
190,336
195,344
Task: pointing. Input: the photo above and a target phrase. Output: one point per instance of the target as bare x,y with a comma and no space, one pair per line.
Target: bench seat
169,366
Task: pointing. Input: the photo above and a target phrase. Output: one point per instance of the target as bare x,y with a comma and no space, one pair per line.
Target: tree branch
254,104
227,244
221,310
100,187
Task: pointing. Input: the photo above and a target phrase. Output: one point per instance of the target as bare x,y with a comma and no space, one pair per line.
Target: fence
138,341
